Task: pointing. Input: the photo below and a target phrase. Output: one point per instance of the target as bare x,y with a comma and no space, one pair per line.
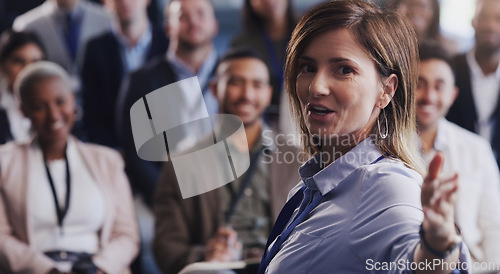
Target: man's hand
224,246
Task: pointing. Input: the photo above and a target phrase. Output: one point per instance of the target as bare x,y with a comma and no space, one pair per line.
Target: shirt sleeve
385,229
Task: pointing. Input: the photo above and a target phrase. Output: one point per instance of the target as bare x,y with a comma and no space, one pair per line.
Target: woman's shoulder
98,151
12,149
391,179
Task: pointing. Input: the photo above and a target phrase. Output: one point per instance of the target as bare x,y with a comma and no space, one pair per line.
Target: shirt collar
474,66
331,176
143,42
75,13
205,69
441,141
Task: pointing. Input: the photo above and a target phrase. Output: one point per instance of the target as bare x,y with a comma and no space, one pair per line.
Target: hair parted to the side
392,44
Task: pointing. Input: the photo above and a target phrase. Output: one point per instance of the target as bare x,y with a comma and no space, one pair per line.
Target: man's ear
389,87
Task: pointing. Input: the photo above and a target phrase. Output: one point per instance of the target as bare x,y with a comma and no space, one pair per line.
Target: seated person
17,49
65,206
477,207
206,227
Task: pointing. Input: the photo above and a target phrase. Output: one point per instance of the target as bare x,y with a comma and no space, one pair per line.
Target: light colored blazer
119,238
43,21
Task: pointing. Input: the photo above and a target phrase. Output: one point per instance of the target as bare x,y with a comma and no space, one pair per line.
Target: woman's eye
345,70
305,68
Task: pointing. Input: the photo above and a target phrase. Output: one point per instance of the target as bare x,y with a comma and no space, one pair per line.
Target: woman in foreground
351,72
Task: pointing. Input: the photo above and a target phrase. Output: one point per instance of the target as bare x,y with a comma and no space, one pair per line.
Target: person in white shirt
477,207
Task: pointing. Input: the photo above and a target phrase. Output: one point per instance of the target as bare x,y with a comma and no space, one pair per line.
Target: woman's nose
319,85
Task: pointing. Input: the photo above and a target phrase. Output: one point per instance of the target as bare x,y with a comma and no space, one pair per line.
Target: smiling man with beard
207,227
477,209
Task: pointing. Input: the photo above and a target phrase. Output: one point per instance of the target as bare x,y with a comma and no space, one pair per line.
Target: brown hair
391,42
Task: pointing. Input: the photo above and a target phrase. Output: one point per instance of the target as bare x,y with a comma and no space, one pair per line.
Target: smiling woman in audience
65,206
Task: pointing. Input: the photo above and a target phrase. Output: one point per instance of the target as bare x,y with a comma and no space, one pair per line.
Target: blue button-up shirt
135,56
204,74
369,217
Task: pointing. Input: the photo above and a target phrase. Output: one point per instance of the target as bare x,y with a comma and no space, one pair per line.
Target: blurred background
455,15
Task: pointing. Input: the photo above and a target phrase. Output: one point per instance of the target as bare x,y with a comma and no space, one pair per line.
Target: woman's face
20,58
339,88
270,9
51,108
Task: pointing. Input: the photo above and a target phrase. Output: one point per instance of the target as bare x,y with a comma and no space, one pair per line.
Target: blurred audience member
191,26
65,206
478,202
17,49
207,227
64,27
267,27
478,77
109,58
424,16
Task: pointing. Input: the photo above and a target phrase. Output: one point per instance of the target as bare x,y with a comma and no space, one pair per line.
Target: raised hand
438,199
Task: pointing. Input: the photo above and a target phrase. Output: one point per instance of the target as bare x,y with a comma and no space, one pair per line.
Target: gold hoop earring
386,128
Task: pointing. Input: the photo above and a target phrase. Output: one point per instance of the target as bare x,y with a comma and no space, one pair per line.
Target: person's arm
123,245
438,199
174,246
15,255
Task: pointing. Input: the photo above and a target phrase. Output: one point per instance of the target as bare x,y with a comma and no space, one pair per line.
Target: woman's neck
53,150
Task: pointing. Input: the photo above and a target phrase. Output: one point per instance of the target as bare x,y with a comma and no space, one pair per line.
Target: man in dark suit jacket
190,53
478,78
106,66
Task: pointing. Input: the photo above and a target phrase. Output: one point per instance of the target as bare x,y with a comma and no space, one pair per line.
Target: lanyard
282,220
245,183
61,212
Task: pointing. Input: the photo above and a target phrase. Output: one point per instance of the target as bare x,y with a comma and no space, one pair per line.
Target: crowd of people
397,123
